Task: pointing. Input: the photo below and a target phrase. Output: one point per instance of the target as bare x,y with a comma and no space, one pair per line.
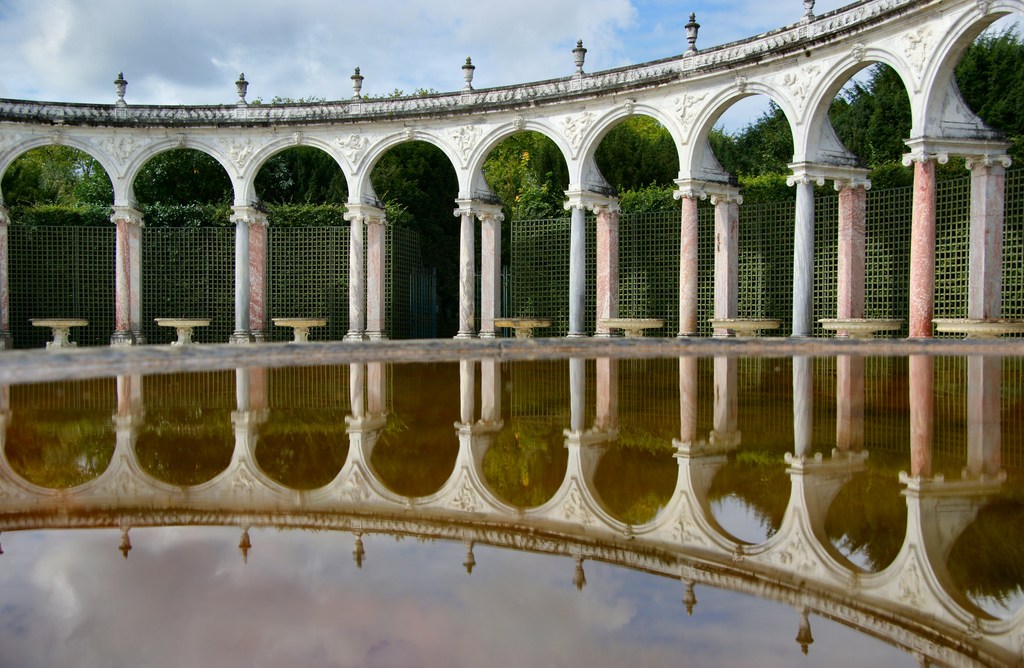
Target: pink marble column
258,394
356,382
356,277
849,403
727,232
258,276
607,417
984,413
607,265
129,395
127,276
688,400
922,250
375,259
988,194
5,292
490,271
467,275
376,389
852,217
688,236
922,415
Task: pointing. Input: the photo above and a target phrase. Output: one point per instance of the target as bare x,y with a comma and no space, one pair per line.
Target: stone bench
859,328
746,326
184,326
61,328
300,326
523,326
979,328
631,327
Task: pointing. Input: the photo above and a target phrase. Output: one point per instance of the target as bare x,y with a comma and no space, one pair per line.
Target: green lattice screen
307,277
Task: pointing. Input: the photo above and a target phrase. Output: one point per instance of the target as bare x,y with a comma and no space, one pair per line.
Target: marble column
376,327
127,276
688,241
490,271
490,391
607,418
727,232
849,403
922,247
803,256
376,388
803,406
5,292
242,216
726,403
688,401
258,323
467,275
467,391
577,394
577,268
356,383
988,194
607,265
922,415
356,274
852,253
984,413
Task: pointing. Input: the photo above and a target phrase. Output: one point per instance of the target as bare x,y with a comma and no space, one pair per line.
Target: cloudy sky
191,51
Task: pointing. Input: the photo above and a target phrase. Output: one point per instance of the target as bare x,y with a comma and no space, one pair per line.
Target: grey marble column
356,285
577,269
803,258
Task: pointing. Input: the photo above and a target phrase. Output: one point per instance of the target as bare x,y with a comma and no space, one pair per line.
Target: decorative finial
357,84
241,86
120,85
126,542
358,553
691,33
467,74
578,56
579,578
808,10
690,598
245,545
803,635
470,561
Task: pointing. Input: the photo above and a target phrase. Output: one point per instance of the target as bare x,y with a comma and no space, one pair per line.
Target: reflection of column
375,259
922,406
490,391
467,391
727,232
803,405
258,276
984,380
922,245
852,221
467,274
356,380
803,255
607,395
376,388
577,394
356,286
849,403
490,271
988,193
607,264
127,276
5,292
726,407
577,267
129,395
687,400
688,241
242,216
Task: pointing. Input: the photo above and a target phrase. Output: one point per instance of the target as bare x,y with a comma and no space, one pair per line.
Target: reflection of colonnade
910,603
687,95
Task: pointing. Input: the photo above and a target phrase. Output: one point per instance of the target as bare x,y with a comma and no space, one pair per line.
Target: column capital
723,194
129,214
249,215
585,199
481,210
690,189
364,213
924,149
986,160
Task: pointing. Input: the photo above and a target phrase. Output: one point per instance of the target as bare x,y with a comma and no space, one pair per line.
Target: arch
361,185
483,149
106,162
613,118
263,155
138,163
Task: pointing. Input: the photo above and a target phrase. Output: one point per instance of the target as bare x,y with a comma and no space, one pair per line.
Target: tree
636,153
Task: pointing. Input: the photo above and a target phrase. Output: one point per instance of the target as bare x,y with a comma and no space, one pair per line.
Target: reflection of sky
184,597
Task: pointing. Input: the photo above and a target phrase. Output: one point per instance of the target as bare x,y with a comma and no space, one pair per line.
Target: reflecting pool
601,512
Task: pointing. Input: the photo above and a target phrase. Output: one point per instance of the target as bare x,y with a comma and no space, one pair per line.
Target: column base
488,335
355,336
376,336
259,336
686,335
465,335
605,335
6,343
576,335
240,336
121,339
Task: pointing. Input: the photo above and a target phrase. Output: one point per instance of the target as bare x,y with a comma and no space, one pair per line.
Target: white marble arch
800,66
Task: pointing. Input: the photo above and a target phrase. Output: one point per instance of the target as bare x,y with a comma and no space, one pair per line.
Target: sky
192,51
